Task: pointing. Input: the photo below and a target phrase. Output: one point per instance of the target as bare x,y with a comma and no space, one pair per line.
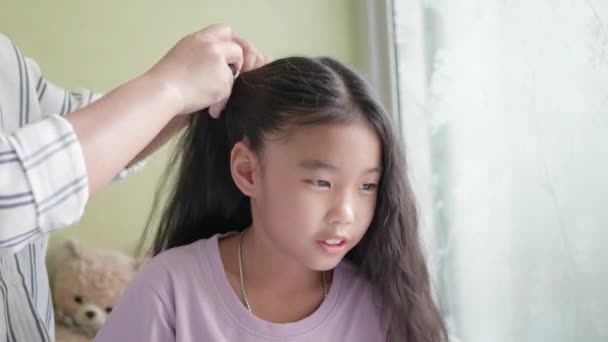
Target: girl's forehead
319,134
354,142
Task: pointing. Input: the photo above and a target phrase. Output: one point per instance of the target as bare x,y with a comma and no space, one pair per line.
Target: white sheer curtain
504,110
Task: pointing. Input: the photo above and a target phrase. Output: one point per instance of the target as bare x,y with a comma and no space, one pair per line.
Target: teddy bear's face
88,284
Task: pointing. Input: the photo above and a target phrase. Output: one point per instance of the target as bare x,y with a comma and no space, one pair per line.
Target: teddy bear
87,283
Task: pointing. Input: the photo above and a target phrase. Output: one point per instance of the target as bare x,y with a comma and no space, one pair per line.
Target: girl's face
314,194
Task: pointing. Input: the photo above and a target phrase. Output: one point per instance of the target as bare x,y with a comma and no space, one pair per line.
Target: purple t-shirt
184,295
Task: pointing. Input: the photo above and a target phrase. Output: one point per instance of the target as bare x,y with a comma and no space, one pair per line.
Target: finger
242,42
216,109
220,31
260,61
249,58
249,61
233,53
249,53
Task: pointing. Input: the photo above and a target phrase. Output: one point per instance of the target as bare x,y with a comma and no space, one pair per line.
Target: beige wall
99,44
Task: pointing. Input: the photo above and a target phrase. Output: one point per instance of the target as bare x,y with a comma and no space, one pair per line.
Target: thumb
216,109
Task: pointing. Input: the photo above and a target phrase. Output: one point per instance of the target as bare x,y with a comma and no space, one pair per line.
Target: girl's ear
244,167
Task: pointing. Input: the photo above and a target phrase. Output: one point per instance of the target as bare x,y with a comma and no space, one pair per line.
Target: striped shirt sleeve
43,182
43,179
56,100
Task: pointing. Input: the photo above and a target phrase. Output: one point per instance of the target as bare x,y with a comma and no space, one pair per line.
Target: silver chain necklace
242,278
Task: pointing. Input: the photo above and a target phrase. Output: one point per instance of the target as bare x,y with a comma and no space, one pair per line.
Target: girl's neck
265,265
279,289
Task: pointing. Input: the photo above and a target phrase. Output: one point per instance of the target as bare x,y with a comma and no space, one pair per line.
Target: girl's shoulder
176,256
179,265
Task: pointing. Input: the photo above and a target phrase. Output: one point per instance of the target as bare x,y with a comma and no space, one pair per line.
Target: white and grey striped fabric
43,187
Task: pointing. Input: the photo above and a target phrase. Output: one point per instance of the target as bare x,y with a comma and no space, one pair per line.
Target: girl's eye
368,186
319,182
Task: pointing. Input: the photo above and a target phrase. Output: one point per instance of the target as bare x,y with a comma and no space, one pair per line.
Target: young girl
291,219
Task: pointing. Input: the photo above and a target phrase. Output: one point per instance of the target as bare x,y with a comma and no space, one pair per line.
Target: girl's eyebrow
316,164
377,169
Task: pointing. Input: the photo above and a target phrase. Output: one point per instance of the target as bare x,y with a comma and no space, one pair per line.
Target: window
503,106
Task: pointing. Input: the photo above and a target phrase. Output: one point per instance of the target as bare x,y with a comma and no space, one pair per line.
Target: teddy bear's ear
69,250
74,247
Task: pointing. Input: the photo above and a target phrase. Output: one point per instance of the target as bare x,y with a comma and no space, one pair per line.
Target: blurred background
503,106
